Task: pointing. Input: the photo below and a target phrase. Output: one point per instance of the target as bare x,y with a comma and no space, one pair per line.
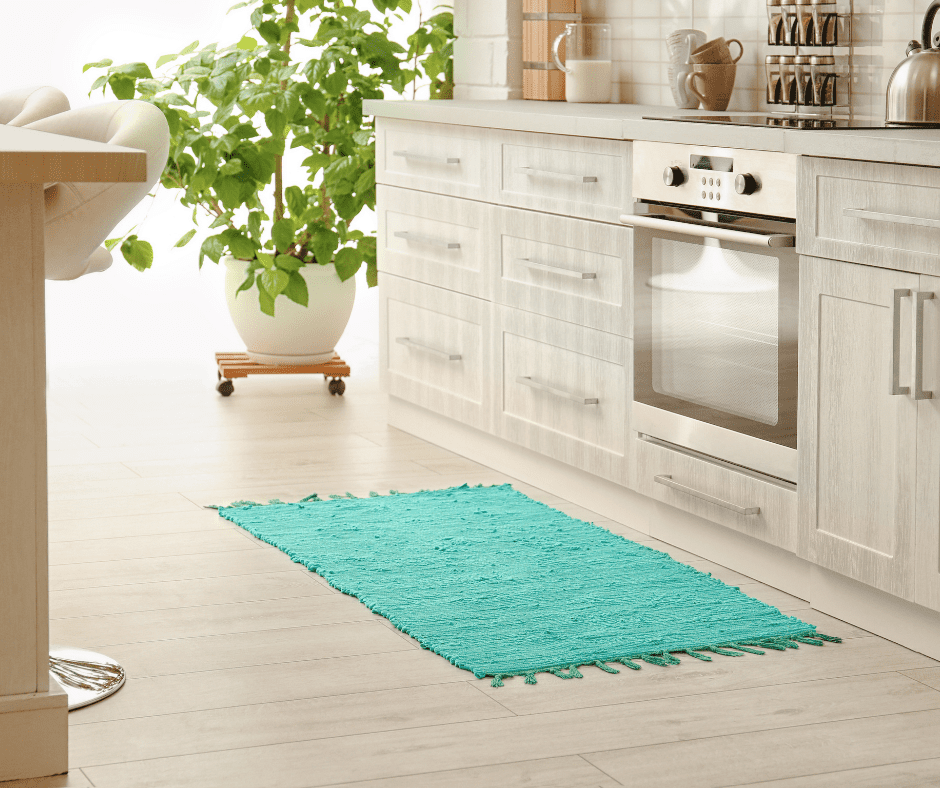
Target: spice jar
825,22
772,67
803,28
791,23
776,23
787,79
823,71
803,79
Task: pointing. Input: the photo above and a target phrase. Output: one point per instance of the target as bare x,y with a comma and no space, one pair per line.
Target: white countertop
625,121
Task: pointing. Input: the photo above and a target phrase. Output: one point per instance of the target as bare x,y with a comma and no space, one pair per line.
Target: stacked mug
680,44
701,71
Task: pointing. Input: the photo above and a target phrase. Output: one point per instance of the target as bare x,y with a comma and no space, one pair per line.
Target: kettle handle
928,23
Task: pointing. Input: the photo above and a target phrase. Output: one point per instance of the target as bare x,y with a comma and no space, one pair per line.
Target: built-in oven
716,301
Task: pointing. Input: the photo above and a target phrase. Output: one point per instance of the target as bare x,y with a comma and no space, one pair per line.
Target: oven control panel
715,179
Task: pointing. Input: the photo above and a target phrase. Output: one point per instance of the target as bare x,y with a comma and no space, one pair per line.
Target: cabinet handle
875,216
565,176
896,387
698,229
433,351
406,154
554,269
918,376
534,384
427,240
666,480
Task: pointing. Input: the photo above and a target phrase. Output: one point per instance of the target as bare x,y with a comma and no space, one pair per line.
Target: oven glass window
714,331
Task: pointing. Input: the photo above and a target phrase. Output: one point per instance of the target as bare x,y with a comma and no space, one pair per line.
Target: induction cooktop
807,122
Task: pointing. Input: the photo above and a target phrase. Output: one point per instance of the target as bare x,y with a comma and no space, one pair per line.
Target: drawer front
564,391
433,157
887,215
775,523
573,270
436,349
434,239
572,176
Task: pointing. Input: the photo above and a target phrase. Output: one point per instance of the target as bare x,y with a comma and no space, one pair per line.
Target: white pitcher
588,67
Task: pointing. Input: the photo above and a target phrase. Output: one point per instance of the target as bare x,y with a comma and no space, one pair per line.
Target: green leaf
229,191
122,87
283,233
266,260
136,70
274,281
246,285
287,262
366,181
263,67
189,48
323,245
138,253
296,290
270,31
111,243
372,274
254,223
247,43
264,300
240,246
316,162
275,121
348,261
212,248
231,167
187,237
296,201
98,64
164,59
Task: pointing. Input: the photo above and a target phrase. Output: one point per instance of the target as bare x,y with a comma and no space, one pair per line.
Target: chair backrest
80,216
26,105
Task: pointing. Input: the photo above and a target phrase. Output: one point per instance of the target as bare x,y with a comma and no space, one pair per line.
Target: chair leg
86,676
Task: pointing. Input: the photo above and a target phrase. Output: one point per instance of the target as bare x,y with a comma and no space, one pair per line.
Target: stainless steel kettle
914,87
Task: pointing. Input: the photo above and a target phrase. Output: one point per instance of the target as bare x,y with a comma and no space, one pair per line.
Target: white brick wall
488,51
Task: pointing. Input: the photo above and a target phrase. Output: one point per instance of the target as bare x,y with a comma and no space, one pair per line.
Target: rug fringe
667,658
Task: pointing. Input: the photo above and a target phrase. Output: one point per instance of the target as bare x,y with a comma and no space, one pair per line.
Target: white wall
488,51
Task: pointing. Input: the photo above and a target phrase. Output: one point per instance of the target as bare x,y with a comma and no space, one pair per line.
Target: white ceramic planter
296,334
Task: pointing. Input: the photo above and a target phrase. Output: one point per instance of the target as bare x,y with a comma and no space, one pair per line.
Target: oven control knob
746,184
673,176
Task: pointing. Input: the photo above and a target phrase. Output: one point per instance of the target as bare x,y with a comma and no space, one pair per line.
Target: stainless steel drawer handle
407,154
534,384
896,387
876,216
433,351
705,230
427,240
554,269
918,384
667,480
565,176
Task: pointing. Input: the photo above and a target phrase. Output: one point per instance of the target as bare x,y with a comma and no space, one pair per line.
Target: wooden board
237,365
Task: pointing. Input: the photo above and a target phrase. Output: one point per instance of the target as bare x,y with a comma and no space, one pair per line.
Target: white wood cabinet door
927,540
563,391
570,269
435,349
857,440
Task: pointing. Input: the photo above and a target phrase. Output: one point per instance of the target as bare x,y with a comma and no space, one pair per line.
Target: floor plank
135,525
916,774
928,676
474,744
788,753
96,550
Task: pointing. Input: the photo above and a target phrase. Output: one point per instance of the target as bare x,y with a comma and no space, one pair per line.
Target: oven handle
705,230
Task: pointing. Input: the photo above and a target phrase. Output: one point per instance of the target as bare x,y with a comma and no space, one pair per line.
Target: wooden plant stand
237,365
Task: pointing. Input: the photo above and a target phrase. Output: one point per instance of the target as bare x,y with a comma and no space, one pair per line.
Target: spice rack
809,66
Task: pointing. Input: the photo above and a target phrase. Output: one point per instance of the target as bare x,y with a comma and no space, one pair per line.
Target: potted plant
296,80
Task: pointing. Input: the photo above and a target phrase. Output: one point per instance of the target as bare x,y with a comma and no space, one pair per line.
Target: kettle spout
912,47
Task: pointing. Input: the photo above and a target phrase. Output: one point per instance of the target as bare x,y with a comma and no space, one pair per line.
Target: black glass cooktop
783,121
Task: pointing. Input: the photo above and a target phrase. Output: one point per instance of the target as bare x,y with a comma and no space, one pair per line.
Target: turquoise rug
502,585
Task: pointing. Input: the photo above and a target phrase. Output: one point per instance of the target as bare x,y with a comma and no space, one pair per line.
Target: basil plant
297,79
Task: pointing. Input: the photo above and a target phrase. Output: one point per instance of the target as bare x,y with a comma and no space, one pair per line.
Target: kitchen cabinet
927,536
858,424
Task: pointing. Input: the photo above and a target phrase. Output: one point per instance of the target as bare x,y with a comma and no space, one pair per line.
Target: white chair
79,217
25,105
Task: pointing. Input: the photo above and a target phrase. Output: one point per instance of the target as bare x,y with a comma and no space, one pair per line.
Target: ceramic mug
712,84
680,44
677,80
716,51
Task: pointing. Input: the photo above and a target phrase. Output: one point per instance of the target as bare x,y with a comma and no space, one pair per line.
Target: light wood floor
247,670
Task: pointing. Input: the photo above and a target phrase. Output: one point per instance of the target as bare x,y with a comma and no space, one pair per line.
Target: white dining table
33,715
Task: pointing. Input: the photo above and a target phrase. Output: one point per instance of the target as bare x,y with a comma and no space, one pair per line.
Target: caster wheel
225,387
337,386
218,374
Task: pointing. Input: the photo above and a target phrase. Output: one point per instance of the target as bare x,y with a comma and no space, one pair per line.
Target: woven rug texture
502,585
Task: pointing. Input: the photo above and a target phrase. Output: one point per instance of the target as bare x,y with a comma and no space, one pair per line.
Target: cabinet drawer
433,239
435,349
572,176
775,523
887,215
564,391
433,157
570,269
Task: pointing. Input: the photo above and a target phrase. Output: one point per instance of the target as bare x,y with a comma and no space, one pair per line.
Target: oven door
716,300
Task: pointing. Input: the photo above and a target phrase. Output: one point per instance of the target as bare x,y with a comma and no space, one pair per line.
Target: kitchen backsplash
881,30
